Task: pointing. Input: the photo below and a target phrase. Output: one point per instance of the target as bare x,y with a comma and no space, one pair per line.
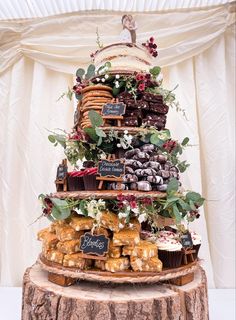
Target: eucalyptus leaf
164,134
170,201
100,132
155,70
115,91
191,204
51,138
177,214
92,133
193,196
60,210
90,71
185,206
185,141
83,207
95,118
154,139
99,141
173,186
78,96
80,72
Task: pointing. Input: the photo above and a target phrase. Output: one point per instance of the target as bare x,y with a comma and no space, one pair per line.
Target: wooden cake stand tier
128,276
106,194
100,301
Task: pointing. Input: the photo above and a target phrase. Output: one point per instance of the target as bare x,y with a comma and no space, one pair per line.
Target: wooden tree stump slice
95,301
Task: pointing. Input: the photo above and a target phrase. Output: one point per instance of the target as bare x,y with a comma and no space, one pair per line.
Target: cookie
96,87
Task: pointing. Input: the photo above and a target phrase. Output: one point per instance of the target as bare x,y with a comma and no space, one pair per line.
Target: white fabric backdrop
39,57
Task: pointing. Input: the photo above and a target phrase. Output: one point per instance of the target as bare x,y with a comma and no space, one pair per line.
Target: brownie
158,107
147,96
131,121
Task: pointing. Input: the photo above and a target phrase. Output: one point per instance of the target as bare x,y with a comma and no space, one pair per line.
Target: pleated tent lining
15,9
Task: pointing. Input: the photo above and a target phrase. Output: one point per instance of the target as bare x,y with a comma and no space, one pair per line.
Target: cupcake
169,252
197,240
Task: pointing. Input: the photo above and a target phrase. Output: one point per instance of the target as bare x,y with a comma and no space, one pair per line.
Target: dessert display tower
119,244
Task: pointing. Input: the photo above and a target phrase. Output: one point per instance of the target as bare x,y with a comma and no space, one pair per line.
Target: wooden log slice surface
95,301
128,276
106,194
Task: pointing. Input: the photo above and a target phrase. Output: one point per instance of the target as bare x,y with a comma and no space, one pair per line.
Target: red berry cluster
151,47
194,214
122,201
170,145
142,80
48,207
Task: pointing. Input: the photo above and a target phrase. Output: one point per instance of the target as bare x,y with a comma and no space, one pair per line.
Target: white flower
106,76
122,215
97,79
101,203
142,217
91,214
126,132
78,211
117,76
136,210
131,225
118,145
106,68
103,79
121,226
83,76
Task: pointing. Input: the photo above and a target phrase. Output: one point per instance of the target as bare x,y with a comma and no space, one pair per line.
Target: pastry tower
122,209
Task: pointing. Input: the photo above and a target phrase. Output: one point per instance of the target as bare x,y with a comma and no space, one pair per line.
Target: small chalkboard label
94,244
61,172
113,109
114,168
186,240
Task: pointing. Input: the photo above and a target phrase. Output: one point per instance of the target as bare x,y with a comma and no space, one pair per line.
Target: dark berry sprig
151,46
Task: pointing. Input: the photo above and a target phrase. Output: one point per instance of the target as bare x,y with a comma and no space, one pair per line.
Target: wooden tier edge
106,194
128,276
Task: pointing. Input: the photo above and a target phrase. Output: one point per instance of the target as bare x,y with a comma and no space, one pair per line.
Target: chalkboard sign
61,172
114,168
113,109
186,240
94,244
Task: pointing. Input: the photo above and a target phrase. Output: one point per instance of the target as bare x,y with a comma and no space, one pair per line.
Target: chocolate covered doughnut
130,153
130,178
161,187
141,156
139,172
117,186
151,164
129,170
149,172
155,179
147,148
144,186
164,174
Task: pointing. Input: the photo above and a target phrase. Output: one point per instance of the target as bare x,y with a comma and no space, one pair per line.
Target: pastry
55,256
100,264
109,220
66,232
144,250
114,251
68,247
50,241
152,265
75,260
115,265
81,223
42,234
126,237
